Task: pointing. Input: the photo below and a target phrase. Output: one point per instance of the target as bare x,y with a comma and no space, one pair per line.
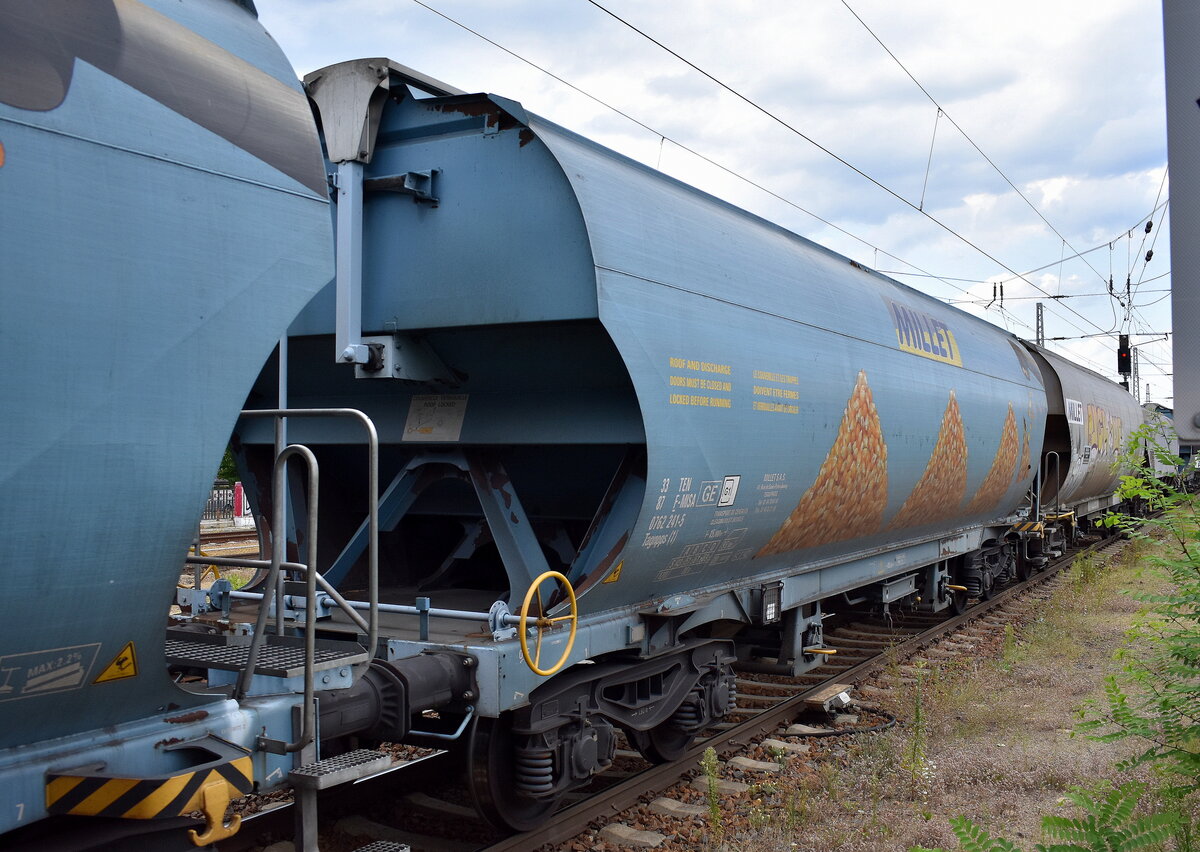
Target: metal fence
220,503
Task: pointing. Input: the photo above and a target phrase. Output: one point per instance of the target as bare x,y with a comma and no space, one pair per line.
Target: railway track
414,803
220,543
228,536
897,643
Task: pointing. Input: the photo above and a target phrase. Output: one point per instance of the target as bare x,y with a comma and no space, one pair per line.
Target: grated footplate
340,769
276,658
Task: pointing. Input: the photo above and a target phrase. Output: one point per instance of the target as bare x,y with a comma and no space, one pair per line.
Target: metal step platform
330,772
280,656
340,769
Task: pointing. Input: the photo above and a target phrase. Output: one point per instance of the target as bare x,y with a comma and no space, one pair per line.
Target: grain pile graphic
940,490
996,483
850,492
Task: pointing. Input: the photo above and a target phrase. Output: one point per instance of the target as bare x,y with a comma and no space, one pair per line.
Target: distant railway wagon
557,445
1161,445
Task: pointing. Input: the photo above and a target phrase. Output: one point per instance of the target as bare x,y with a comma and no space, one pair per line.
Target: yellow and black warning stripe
1029,526
81,794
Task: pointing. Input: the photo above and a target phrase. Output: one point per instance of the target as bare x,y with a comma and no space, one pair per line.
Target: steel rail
572,820
243,534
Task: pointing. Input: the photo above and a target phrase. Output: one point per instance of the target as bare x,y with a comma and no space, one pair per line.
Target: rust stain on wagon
194,716
603,567
492,114
500,483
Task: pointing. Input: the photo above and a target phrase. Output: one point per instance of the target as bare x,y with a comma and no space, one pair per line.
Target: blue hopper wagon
545,450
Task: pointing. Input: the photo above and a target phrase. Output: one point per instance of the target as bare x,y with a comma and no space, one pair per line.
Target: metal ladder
280,656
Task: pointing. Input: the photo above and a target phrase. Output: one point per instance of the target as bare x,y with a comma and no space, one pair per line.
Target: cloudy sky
1064,98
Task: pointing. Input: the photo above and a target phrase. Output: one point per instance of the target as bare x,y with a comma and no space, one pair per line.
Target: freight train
545,450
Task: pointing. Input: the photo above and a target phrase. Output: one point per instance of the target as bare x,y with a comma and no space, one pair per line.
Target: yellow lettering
780,378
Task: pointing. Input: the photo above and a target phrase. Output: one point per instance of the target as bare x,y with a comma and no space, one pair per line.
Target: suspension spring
534,770
689,716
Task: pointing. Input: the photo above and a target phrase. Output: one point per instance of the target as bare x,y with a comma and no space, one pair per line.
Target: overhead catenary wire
663,137
1101,334
1156,301
1021,276
1133,260
949,118
1150,219
1148,363
753,104
1056,298
1137,320
1159,204
1061,252
1146,258
929,160
1145,323
1005,314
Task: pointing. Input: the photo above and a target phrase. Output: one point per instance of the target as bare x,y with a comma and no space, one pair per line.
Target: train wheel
664,743
491,777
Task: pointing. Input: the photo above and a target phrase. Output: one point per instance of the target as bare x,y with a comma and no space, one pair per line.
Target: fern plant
1108,824
973,838
1156,697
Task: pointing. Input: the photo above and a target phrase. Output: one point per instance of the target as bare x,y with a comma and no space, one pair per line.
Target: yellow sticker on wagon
123,665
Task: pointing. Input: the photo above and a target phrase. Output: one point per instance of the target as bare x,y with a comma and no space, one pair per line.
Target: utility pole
1041,326
1133,378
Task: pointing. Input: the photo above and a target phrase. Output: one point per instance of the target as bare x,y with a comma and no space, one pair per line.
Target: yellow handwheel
543,624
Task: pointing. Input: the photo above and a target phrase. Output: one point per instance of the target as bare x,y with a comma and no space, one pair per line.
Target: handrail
1035,493
372,500
433,612
402,609
1057,479
308,720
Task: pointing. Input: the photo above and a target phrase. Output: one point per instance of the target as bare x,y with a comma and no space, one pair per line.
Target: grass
988,735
